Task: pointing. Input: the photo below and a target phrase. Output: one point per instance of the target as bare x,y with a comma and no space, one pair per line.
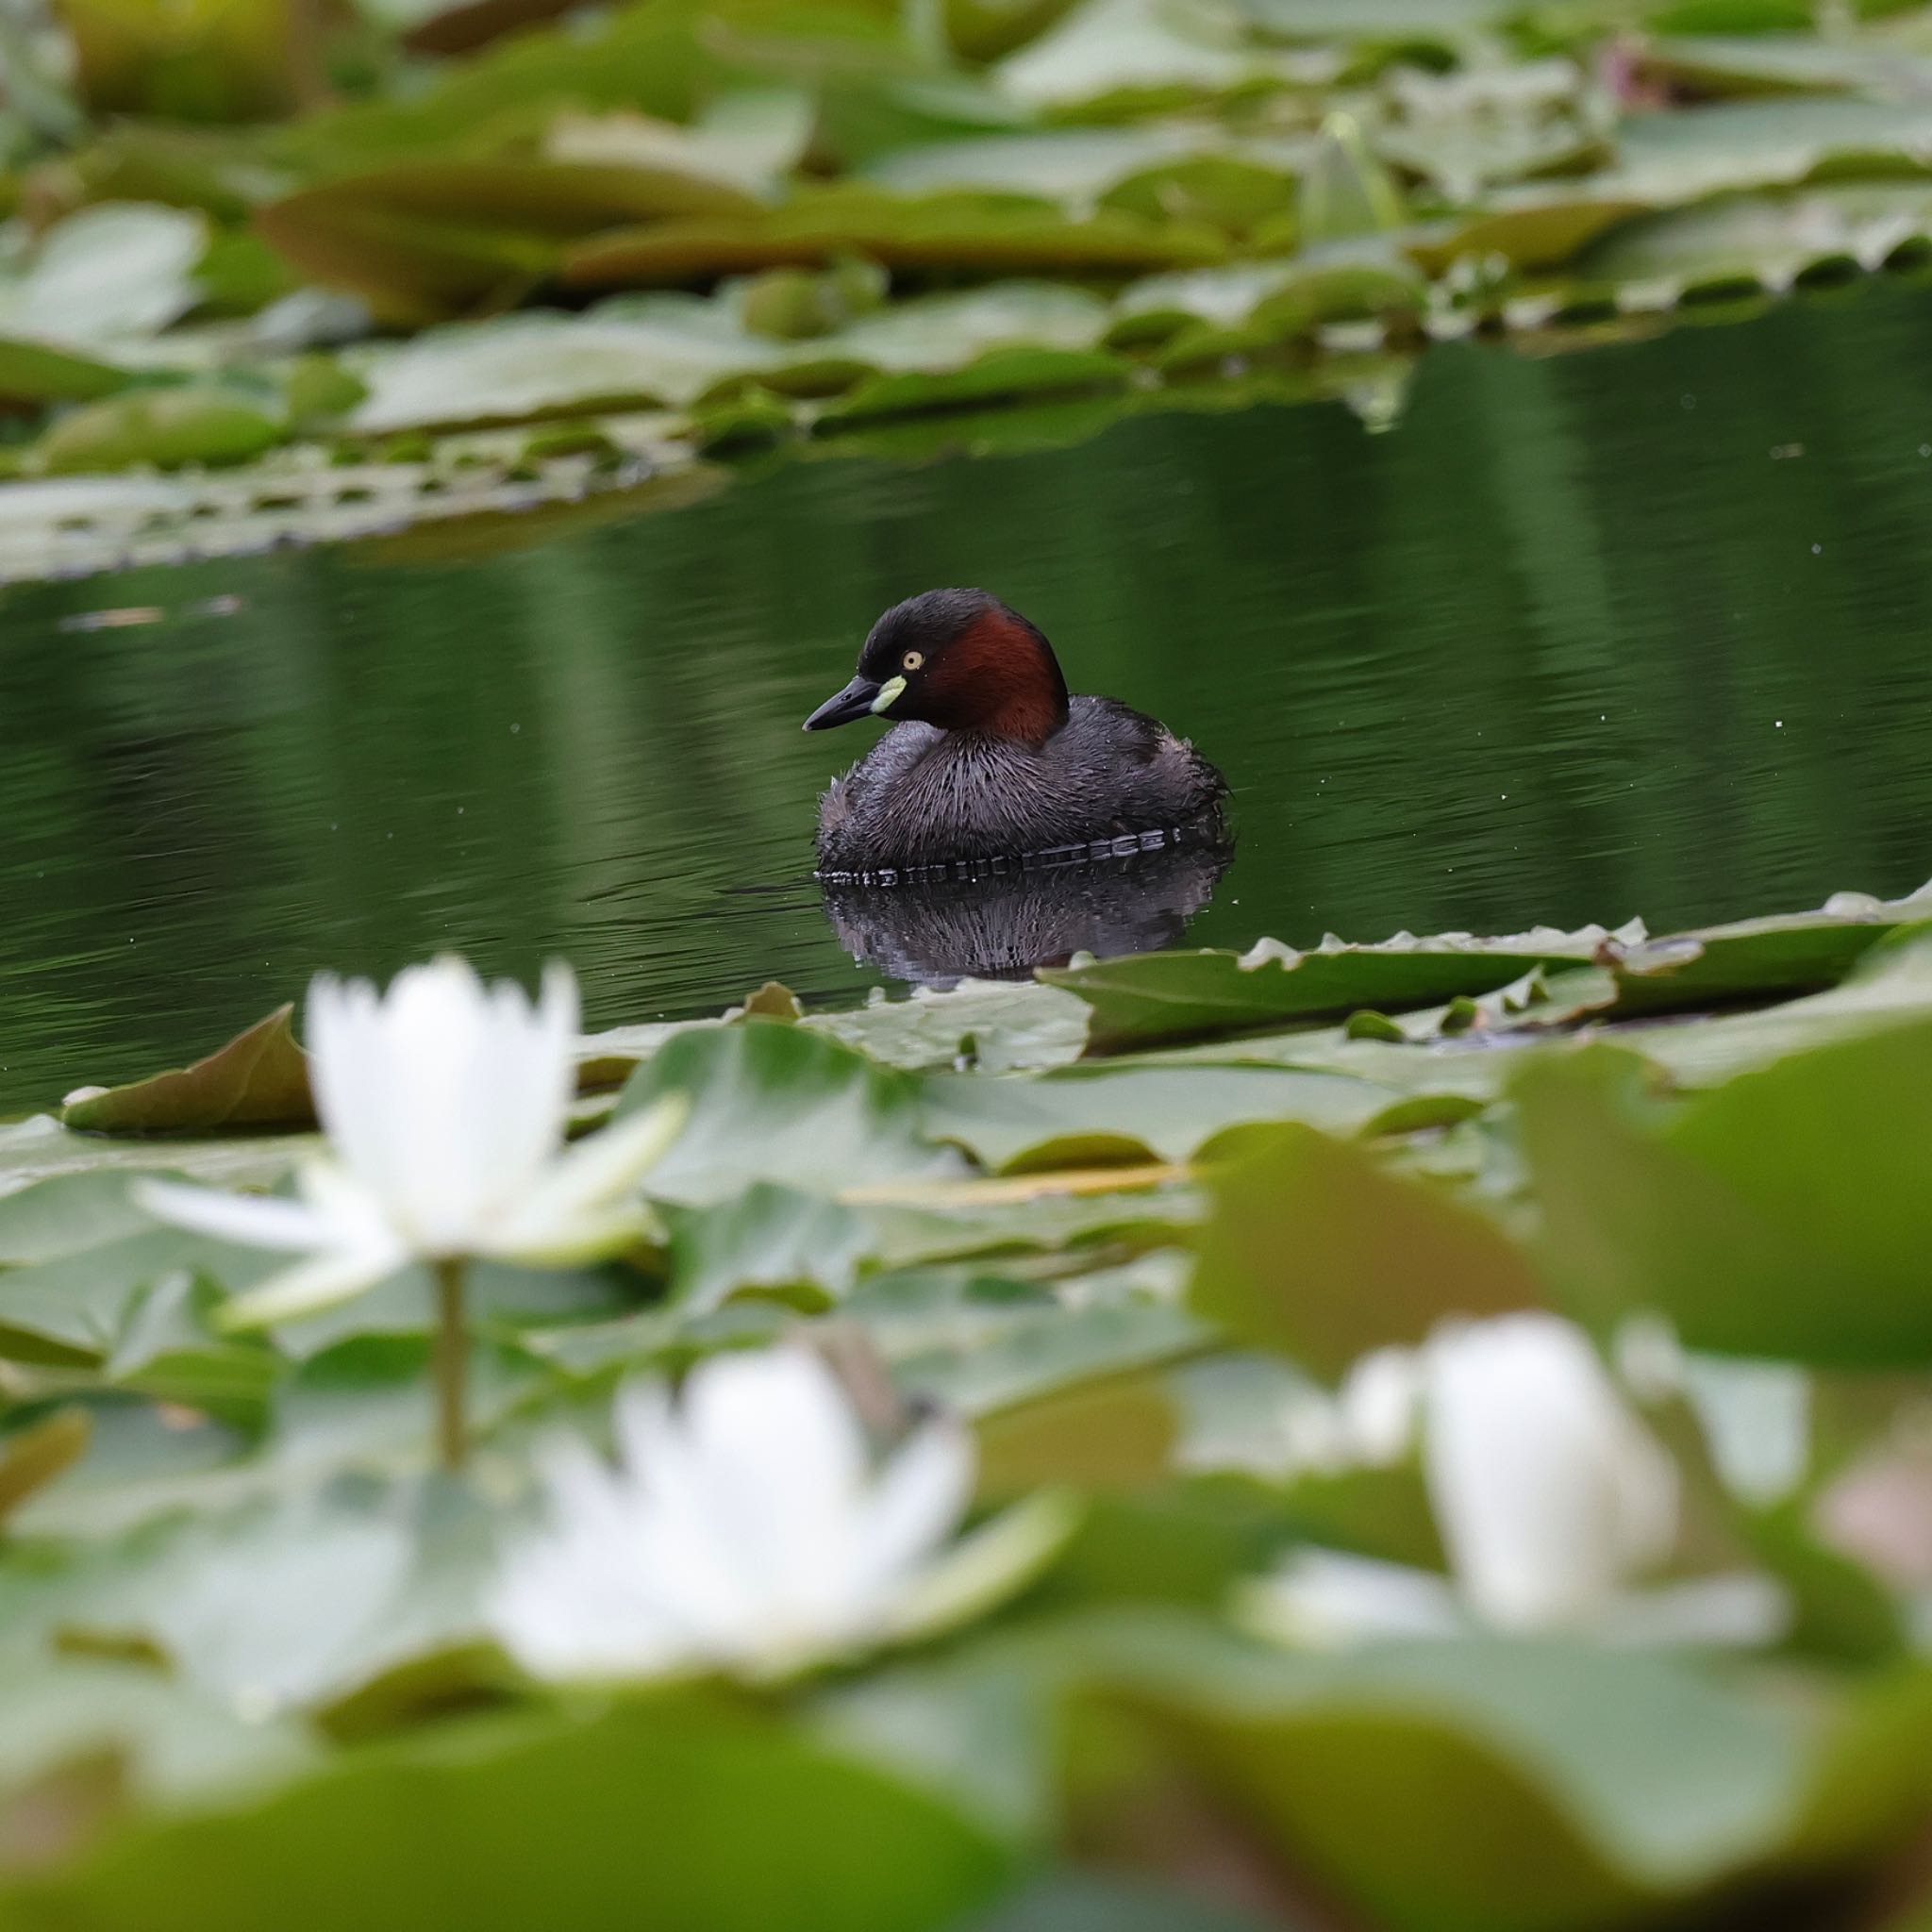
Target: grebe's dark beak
856,701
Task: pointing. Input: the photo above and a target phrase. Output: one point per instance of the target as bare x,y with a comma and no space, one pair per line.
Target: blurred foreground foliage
1136,1220
311,239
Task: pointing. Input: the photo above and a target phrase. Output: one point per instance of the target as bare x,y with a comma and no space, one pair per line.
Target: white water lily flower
1551,1497
743,1527
445,1104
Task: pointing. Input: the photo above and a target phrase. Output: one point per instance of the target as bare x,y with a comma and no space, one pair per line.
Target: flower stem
452,1362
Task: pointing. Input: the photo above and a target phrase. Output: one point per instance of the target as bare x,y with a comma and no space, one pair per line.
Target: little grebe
987,757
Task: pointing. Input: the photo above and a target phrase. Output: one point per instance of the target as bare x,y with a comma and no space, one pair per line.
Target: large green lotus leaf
937,333
1110,1436
643,59
257,1079
769,1238
1782,1215
1668,158
1072,164
200,424
167,1347
999,375
1026,1214
546,363
983,233
749,139
167,1744
295,1600
984,1346
993,1025
1155,997
1171,48
410,269
561,199
1097,1116
1477,1784
1715,64
32,374
40,1148
363,1408
441,234
1220,190
676,348
1312,1247
1770,239
55,1217
1283,297
118,270
1466,132
1752,959
503,1299
750,1828
223,172
366,1405
1169,996
774,1100
70,1309
1531,227
1891,984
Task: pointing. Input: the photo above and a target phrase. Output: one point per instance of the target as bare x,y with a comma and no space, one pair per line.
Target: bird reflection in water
999,920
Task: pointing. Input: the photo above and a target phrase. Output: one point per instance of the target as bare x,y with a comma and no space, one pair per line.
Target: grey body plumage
923,795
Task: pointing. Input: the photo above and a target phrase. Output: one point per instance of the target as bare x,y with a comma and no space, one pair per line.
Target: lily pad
984,233
750,1820
196,423
33,374
119,270
1778,1215
775,1102
1312,1247
258,1080
1167,996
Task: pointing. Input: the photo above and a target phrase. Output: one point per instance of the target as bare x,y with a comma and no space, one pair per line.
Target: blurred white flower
743,1525
1550,1496
1547,1489
445,1104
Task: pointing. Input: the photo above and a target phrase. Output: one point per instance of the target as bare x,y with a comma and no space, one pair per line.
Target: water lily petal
258,1220
916,1502
1324,1599
548,1219
742,1527
1548,1491
309,1287
984,1569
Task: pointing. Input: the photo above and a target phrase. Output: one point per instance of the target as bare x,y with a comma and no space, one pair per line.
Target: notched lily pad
258,1080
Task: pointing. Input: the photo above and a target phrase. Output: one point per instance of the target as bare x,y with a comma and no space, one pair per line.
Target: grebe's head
958,659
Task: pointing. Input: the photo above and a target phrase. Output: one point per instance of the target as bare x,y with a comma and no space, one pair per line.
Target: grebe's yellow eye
912,661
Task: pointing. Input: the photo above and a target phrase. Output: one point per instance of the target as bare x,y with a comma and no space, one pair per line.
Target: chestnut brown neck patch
1000,676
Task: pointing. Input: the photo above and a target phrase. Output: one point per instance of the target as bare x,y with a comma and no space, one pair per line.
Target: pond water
1638,630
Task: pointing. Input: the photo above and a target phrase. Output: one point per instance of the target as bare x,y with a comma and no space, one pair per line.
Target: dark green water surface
1646,630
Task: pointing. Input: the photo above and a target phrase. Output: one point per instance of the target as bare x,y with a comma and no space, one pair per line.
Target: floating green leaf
753,1827
168,427
1313,1248
1778,1215
258,1080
